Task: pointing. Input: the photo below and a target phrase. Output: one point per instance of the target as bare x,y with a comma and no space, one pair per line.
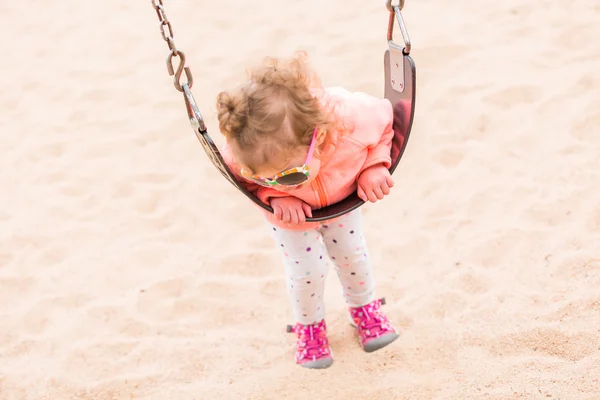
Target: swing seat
399,89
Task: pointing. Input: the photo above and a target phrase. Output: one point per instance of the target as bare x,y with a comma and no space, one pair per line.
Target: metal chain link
390,7
168,36
166,31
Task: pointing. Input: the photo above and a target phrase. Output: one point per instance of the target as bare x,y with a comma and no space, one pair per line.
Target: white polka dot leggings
305,257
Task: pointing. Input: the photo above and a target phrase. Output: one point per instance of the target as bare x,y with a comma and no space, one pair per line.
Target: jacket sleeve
264,194
372,119
380,118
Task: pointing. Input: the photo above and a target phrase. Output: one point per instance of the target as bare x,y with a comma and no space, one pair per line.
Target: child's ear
321,137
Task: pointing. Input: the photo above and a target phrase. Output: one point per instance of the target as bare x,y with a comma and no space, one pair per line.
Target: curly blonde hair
276,111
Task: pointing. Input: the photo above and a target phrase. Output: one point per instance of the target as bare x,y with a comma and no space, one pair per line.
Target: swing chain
166,31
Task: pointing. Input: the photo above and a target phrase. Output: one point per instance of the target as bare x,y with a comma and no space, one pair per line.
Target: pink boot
312,346
374,329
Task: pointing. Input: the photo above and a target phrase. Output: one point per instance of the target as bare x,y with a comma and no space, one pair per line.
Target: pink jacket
369,143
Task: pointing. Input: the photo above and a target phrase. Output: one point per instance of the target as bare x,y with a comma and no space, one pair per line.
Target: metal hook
396,13
388,5
188,76
181,68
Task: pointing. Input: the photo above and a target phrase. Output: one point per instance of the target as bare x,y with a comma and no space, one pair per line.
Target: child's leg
305,262
347,248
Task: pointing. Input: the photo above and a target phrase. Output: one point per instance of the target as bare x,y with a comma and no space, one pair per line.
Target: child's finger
294,216
300,215
390,181
361,194
385,189
278,212
286,215
371,196
307,210
378,192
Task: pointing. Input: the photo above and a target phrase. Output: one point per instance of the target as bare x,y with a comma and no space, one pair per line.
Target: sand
130,269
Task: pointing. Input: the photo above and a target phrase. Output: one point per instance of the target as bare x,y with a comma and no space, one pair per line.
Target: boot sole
318,364
380,342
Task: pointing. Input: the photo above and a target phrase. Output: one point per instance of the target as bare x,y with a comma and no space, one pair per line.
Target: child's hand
291,210
374,183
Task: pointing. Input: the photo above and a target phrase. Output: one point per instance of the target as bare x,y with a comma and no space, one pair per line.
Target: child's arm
374,128
378,121
370,119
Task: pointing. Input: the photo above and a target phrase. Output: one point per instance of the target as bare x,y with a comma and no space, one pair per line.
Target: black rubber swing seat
399,89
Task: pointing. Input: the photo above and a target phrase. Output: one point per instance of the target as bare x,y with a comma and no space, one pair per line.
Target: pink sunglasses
290,177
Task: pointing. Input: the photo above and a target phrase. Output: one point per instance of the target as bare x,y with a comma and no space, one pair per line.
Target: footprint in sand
550,214
582,268
579,37
449,158
593,223
135,329
447,304
248,264
587,128
70,301
5,259
511,96
490,252
171,288
157,300
22,348
473,284
548,341
12,289
91,358
408,251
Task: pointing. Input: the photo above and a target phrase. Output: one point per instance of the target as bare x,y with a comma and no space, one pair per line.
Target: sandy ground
129,269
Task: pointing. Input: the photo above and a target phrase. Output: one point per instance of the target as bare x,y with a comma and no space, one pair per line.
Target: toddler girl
299,147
